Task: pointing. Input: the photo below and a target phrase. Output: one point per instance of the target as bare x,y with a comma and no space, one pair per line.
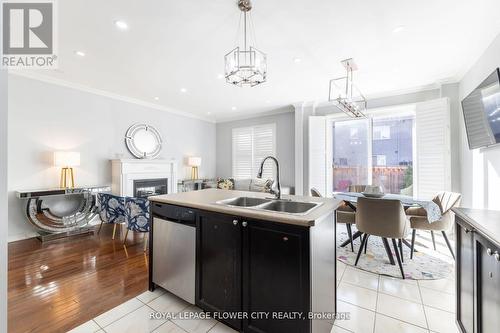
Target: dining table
351,198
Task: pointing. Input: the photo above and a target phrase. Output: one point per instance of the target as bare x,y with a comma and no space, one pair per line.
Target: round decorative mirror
143,141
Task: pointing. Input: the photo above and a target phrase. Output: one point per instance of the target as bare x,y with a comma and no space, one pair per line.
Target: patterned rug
426,264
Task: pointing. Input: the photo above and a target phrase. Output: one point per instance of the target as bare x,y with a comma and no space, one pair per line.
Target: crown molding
281,110
104,93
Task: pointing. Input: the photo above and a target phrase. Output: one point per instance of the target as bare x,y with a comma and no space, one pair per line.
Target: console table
60,212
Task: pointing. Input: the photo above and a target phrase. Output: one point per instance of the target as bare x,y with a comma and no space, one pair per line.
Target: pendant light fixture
345,95
245,66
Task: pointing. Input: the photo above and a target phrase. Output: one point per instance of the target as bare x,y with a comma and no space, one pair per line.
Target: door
275,277
488,285
465,276
219,265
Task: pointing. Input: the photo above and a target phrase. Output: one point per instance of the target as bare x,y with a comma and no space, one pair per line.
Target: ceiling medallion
245,66
345,95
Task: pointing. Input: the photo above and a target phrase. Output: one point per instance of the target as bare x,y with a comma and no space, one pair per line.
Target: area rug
426,264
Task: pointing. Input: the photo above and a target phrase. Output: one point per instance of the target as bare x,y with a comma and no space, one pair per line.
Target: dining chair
418,219
111,209
343,214
357,188
137,217
383,218
346,215
315,193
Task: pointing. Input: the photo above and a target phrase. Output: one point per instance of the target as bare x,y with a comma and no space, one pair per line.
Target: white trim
299,148
281,110
397,110
84,88
400,92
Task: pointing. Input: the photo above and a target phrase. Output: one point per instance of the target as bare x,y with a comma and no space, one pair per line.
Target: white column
302,112
299,151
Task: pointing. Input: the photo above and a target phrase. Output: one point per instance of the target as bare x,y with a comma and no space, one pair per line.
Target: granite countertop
206,200
486,222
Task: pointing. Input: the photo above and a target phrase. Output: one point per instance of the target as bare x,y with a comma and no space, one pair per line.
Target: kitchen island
478,270
253,263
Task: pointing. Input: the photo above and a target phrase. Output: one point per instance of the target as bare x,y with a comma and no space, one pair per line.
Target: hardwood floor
56,286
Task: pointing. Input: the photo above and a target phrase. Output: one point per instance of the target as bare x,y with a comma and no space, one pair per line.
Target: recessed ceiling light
297,60
268,102
398,29
209,113
122,25
220,76
157,98
183,90
80,53
233,108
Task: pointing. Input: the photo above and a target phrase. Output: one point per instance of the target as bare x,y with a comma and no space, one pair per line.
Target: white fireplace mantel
125,171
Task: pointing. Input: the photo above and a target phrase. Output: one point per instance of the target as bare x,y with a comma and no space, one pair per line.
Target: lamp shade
65,159
194,161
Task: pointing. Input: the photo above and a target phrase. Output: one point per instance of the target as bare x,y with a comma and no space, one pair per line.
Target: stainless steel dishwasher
174,250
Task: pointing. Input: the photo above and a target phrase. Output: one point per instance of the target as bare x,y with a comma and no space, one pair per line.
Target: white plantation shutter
250,146
318,154
242,152
264,141
433,163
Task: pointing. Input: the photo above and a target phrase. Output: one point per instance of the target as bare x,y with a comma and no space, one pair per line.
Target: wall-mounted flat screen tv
482,113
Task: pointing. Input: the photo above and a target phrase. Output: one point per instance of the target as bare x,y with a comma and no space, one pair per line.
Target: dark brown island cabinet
478,270
254,275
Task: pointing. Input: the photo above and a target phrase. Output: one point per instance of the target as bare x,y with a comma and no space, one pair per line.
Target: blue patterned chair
137,217
111,209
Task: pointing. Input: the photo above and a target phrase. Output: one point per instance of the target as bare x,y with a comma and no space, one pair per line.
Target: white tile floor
377,304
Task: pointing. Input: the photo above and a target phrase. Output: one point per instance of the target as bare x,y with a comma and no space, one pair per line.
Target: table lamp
66,160
194,163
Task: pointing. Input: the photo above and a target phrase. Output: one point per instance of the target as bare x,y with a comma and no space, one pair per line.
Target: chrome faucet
276,187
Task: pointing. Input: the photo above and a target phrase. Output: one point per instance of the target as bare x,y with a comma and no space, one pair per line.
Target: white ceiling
180,44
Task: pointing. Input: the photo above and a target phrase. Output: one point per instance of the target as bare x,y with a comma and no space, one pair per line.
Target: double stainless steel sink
279,206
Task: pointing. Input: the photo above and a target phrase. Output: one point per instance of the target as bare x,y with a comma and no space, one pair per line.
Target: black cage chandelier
245,66
345,95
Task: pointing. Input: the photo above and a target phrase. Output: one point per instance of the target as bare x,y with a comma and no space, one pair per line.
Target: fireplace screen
147,187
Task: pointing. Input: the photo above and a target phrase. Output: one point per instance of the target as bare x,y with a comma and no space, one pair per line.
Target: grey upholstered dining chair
382,218
346,215
343,214
315,192
357,188
418,218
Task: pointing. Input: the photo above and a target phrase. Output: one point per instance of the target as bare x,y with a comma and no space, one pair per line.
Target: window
379,160
250,146
377,150
350,151
381,132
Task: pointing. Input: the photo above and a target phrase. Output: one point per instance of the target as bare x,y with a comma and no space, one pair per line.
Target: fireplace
144,188
142,178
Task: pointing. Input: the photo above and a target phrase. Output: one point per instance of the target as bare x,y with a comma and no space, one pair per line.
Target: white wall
452,92
480,173
285,143
3,200
45,117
